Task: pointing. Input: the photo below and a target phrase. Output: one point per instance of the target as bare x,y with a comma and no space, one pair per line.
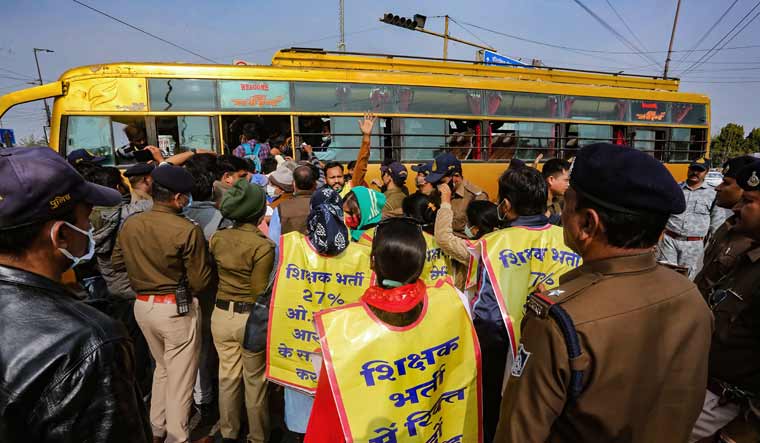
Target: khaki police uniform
642,382
155,248
394,199
463,194
722,253
244,258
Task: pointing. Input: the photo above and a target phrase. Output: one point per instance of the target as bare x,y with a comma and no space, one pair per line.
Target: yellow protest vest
346,189
517,260
437,264
306,283
420,383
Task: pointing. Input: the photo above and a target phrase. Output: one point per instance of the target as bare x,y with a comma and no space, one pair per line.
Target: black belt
237,306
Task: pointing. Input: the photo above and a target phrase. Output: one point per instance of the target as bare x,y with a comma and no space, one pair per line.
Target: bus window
650,140
262,130
422,138
90,133
182,133
686,144
167,94
578,136
464,139
595,108
522,140
339,138
129,134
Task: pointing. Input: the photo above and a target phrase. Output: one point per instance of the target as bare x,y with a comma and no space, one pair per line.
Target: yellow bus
486,115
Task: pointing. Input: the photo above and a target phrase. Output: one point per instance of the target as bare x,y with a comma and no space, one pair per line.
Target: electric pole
39,77
342,12
672,37
446,39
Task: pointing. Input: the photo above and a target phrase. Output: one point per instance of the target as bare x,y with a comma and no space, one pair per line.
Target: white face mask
271,191
326,138
90,249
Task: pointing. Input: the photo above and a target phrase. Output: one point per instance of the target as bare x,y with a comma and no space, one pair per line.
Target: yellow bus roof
327,67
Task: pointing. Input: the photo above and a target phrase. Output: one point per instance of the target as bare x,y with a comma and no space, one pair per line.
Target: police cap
139,169
37,184
626,180
173,178
749,177
443,165
732,167
423,168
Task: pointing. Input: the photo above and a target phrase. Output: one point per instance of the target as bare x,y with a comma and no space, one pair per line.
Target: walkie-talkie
183,296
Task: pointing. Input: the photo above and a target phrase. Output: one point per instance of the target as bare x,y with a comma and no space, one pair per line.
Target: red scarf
396,300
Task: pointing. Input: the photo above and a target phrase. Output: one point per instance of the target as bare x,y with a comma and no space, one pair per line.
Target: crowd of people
272,298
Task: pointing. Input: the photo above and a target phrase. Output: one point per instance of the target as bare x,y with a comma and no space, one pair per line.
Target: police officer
733,387
631,367
157,249
448,169
683,242
140,181
726,245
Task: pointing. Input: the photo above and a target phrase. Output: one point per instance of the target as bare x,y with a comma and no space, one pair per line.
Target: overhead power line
146,32
622,20
470,32
17,73
687,54
619,36
709,54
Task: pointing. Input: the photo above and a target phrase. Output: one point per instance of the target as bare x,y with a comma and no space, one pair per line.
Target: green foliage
730,143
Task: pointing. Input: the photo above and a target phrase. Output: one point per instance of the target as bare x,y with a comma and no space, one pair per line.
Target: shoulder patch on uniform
518,366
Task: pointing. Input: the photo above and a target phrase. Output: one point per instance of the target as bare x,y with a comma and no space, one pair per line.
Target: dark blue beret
139,169
626,180
732,167
173,178
749,177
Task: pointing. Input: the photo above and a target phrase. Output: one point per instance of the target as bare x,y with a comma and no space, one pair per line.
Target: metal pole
342,42
672,37
446,39
39,77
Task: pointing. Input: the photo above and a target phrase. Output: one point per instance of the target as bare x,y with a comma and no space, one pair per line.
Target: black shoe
209,413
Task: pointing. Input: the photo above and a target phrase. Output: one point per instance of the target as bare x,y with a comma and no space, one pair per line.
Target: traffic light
408,23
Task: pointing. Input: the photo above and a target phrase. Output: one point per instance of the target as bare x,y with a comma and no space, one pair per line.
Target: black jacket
66,370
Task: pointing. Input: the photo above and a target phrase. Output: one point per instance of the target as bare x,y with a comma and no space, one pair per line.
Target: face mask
90,248
326,138
352,221
271,191
468,232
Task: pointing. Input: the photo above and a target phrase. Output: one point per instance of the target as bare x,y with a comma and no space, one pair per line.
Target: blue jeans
297,410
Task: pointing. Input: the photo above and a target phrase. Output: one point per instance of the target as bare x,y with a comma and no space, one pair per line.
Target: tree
31,140
753,141
729,143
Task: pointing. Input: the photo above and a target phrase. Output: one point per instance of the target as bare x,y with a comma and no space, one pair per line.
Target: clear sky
253,30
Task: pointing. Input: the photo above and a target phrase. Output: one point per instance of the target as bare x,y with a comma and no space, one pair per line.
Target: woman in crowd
395,317
363,209
482,219
244,257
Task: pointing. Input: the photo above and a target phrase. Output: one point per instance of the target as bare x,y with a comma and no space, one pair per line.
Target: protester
202,208
579,339
731,411
66,369
556,172
333,170
683,242
363,211
280,184
250,148
726,245
244,258
448,169
398,316
393,186
140,181
420,208
325,251
160,250
291,214
106,222
515,260
230,169
481,219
